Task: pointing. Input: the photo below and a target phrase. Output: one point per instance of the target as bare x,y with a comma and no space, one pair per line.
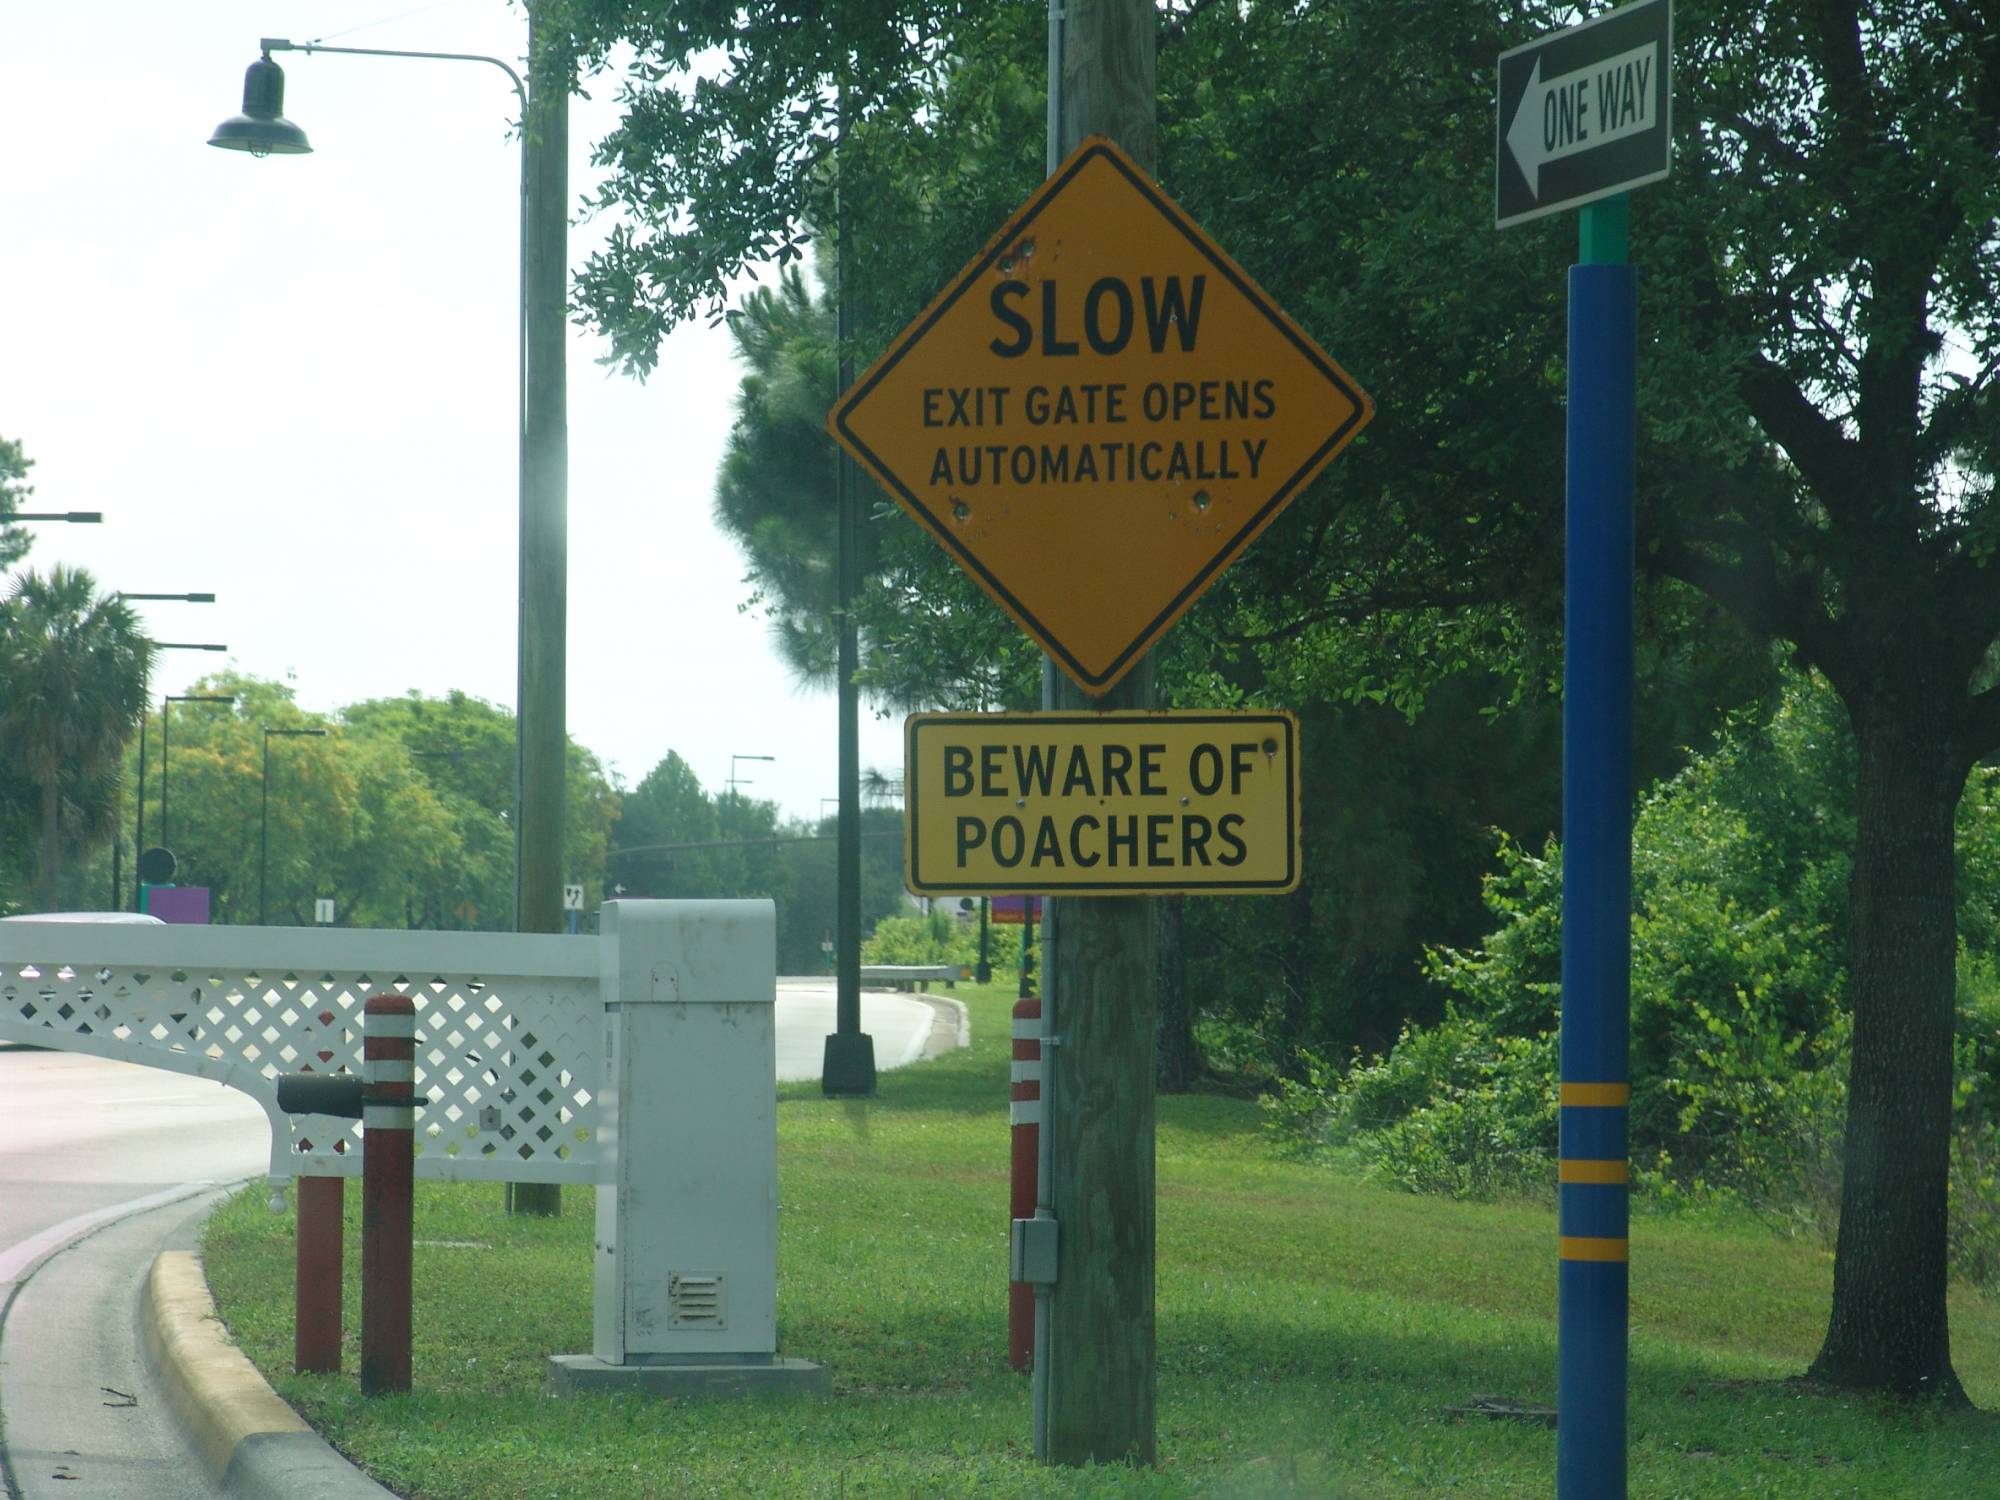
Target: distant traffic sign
1098,414
1101,803
156,866
1585,113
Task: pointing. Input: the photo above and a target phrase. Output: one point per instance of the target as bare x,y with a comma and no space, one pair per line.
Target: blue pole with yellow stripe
1597,864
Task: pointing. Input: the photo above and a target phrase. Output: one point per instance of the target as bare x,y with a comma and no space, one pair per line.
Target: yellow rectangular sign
1078,804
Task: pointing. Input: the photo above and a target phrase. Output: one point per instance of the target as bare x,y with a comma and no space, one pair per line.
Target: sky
290,382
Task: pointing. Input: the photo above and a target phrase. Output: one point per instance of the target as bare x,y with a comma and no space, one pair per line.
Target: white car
128,917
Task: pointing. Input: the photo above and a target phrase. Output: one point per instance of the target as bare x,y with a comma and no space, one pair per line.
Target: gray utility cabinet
687,1213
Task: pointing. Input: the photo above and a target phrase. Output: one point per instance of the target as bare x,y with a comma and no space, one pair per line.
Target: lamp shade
262,128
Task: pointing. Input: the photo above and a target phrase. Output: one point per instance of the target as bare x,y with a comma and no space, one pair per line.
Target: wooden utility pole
1095,1380
539,707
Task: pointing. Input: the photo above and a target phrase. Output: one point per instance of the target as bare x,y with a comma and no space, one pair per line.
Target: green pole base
847,1069
540,1200
1602,233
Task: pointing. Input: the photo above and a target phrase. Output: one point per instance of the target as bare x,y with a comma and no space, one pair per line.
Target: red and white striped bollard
388,1161
1024,1114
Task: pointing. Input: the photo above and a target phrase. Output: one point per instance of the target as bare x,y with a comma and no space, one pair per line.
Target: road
127,1160
900,1025
102,1166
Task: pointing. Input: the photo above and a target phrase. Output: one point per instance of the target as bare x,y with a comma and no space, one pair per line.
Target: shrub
1741,1039
1451,1108
939,937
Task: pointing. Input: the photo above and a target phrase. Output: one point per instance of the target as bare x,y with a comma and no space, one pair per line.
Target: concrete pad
586,1374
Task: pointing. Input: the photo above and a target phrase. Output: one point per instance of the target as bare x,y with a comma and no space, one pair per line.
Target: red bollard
388,1160
316,1279
1024,1113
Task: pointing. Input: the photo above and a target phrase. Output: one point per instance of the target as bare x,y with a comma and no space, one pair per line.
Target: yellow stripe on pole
1590,1247
1600,1095
1582,1169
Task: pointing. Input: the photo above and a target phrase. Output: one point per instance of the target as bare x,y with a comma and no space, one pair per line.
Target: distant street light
139,839
164,721
172,598
189,646
81,517
734,780
264,829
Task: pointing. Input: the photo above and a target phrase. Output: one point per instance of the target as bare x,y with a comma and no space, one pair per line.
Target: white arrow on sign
1580,111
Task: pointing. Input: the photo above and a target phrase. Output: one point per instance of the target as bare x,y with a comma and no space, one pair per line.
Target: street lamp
139,834
164,722
540,752
82,517
264,821
117,842
734,780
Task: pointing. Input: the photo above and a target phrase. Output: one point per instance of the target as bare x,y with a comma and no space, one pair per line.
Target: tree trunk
51,843
1889,1329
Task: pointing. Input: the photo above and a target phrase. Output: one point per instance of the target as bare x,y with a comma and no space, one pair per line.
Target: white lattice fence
508,1026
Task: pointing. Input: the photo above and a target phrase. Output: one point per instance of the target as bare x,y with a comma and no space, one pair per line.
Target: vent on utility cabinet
696,1301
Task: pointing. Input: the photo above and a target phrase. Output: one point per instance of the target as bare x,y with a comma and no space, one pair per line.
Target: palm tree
74,669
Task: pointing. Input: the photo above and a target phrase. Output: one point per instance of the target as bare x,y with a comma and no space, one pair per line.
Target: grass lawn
1311,1329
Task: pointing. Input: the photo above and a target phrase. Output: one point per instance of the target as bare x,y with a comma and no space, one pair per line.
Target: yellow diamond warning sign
1101,803
1099,414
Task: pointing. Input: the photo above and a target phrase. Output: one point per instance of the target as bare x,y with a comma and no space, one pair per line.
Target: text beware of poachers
1053,802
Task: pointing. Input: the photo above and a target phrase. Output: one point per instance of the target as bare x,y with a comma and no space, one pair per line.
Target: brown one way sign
1099,414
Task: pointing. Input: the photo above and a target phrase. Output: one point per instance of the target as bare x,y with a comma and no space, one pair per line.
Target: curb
252,1444
951,1027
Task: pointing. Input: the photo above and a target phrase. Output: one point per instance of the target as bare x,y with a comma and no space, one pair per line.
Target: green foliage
1455,1109
1401,803
775,492
941,937
1741,1043
776,495
1739,877
398,812
73,671
14,488
716,169
672,839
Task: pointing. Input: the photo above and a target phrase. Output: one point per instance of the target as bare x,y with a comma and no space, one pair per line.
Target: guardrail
509,1027
913,976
